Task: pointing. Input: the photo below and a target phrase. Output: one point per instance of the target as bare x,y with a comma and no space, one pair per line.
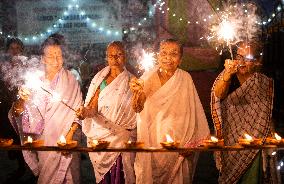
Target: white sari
113,122
173,109
48,121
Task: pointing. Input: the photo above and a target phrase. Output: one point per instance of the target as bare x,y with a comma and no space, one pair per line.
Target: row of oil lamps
213,142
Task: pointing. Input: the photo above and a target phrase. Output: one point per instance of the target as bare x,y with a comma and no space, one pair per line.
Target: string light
158,6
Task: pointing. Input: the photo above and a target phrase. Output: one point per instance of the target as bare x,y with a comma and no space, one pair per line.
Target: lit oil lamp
273,140
213,142
134,144
249,141
99,144
33,143
6,142
62,143
170,143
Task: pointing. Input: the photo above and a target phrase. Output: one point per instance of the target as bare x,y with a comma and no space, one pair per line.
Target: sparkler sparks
147,61
236,23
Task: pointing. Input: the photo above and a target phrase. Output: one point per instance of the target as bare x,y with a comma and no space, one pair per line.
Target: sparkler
147,61
33,81
236,23
56,97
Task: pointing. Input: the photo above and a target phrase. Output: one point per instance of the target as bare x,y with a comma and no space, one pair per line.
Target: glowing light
94,24
101,28
277,137
273,153
249,56
62,139
108,32
95,142
174,15
32,79
248,137
30,140
147,60
169,139
226,31
214,139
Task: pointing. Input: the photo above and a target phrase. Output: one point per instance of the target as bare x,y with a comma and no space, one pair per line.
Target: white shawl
53,167
173,109
115,116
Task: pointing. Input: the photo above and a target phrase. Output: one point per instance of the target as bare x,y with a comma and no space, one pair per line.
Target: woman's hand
18,106
139,97
86,112
136,85
231,67
24,94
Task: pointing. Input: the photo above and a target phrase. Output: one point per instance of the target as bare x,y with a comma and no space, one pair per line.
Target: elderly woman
108,116
36,114
168,104
241,102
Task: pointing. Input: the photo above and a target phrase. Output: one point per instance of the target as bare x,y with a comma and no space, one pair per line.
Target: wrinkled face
115,56
246,59
52,57
14,49
169,56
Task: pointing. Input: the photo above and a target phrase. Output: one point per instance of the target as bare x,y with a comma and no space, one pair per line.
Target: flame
128,142
95,142
169,139
214,139
248,137
62,139
277,137
147,61
30,140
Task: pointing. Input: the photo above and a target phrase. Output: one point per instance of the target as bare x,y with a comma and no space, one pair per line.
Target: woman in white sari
108,116
168,104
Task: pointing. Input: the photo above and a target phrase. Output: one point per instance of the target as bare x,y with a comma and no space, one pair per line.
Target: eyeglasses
248,58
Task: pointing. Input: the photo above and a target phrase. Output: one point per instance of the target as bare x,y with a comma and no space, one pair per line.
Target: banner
81,22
